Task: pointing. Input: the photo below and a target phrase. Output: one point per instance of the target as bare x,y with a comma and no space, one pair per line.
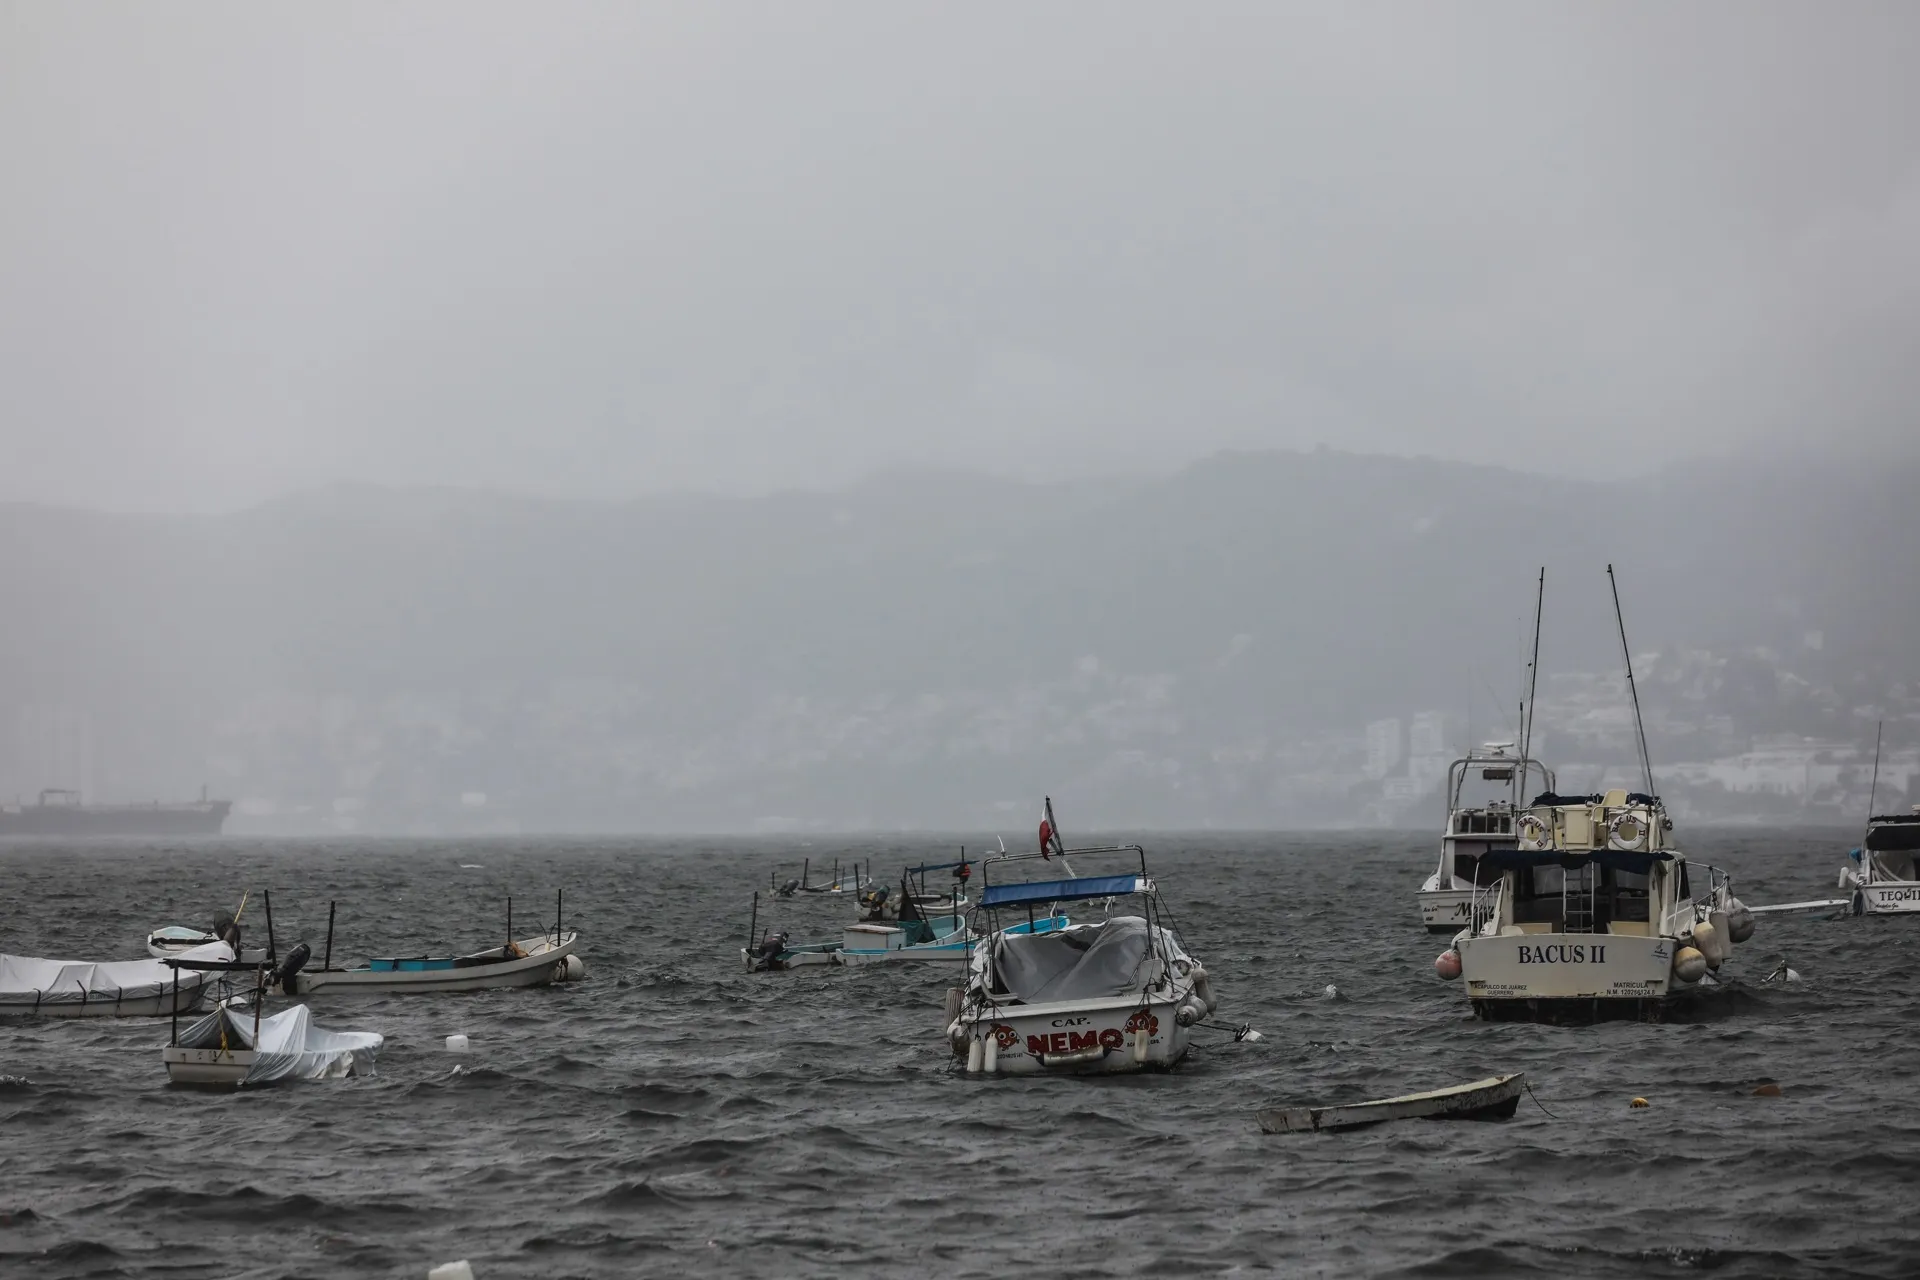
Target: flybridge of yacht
1077,889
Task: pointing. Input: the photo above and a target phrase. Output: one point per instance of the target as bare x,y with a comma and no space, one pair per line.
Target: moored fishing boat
1886,880
1594,915
33,986
232,1047
1475,830
522,962
1495,1098
1885,877
1112,995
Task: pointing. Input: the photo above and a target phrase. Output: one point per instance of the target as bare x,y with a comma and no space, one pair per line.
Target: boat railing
1485,905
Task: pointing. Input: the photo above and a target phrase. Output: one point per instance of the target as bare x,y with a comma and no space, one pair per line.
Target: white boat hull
164,1005
207,1066
1091,1038
1548,977
537,968
1887,898
1445,910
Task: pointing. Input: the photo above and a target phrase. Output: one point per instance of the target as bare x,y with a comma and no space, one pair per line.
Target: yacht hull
1569,977
1445,910
1887,898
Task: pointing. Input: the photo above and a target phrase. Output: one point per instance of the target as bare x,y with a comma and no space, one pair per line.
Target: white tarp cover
1081,962
32,980
290,1046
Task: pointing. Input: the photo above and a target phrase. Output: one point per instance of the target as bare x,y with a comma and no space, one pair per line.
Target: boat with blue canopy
1114,994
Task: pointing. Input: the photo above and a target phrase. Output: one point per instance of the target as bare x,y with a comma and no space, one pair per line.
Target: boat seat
1637,928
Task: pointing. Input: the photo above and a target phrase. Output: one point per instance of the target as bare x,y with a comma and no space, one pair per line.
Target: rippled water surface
674,1115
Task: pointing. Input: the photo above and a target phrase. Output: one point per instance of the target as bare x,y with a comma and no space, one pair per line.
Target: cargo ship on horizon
59,812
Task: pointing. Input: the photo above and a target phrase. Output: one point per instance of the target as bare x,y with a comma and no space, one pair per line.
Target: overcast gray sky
607,249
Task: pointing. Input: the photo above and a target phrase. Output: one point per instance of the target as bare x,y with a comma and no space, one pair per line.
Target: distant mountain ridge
919,646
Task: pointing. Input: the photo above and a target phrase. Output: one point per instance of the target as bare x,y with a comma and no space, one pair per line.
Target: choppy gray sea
673,1115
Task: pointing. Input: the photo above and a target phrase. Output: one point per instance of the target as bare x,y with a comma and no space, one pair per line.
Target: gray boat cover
290,1046
30,980
1080,962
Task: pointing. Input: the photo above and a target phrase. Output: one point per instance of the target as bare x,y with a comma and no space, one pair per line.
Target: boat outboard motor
790,888
221,923
874,903
295,961
770,946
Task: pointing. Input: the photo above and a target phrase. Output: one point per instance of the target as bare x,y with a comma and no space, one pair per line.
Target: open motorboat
839,883
233,1047
1474,830
1494,1098
1594,917
878,902
1886,877
522,962
30,985
1111,995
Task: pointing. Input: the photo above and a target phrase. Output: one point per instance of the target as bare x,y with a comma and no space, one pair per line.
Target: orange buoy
1447,964
1638,1103
1768,1090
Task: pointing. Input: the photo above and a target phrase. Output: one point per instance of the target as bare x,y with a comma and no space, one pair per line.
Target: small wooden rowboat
1494,1098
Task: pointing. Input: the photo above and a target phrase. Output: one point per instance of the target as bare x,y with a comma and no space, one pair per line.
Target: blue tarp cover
1004,895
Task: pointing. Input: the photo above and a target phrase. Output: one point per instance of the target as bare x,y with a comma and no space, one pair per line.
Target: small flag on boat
1049,833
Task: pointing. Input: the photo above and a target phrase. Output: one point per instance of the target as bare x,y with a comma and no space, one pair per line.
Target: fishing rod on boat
753,921
1639,725
1873,789
1533,685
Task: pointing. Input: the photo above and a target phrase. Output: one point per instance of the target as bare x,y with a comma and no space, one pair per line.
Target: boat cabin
1590,864
1475,828
1891,849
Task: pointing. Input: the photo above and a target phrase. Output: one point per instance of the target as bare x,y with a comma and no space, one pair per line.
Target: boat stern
1533,976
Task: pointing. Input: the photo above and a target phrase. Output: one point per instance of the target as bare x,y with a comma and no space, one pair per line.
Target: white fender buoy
1203,987
1740,922
1447,964
1189,1013
451,1271
954,996
1140,1045
1723,932
957,1039
990,1057
457,1044
573,969
1689,965
976,1056
1707,940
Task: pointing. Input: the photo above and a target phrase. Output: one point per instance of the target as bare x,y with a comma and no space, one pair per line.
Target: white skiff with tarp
1112,995
235,1047
31,985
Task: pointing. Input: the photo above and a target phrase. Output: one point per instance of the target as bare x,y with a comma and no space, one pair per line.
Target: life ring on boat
1532,832
1627,831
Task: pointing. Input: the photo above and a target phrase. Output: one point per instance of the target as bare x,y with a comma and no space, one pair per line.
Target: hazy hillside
920,648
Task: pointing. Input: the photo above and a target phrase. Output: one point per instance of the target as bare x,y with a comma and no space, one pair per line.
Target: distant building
1427,735
1383,747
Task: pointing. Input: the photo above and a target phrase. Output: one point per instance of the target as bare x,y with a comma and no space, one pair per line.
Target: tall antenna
1533,683
1639,725
1874,790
